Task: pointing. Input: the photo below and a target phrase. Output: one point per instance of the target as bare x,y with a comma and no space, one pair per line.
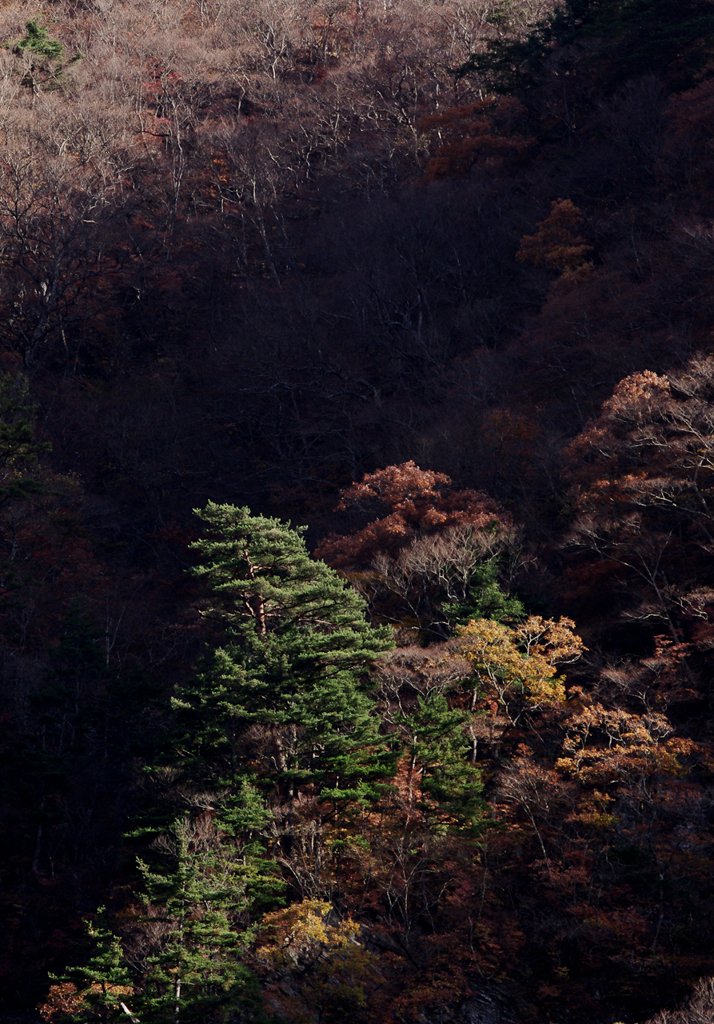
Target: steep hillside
435,280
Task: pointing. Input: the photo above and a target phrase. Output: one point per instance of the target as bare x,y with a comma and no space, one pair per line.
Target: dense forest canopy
412,302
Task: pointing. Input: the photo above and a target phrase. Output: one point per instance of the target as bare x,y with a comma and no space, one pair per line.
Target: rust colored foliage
405,502
65,1002
557,244
688,154
642,478
62,1000
488,132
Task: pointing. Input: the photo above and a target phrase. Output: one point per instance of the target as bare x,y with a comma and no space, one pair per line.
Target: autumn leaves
518,664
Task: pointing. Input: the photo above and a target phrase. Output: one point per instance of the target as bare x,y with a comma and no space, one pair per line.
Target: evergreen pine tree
18,448
286,699
192,904
101,990
485,598
439,760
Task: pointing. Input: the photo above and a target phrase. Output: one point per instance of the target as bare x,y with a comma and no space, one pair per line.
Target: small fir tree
18,448
193,906
439,762
484,598
37,41
99,991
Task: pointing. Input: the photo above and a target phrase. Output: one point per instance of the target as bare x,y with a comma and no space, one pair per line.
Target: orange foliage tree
428,545
557,244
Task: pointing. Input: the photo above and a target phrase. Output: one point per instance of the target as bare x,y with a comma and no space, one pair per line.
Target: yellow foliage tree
316,968
518,664
605,746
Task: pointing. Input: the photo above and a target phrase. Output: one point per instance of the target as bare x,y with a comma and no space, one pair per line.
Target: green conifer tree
485,599
104,986
18,448
287,698
38,41
440,765
192,904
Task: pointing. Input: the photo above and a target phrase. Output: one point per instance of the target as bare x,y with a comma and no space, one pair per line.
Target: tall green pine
105,983
287,698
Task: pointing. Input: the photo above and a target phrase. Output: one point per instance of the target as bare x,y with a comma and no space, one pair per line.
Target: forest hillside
356,517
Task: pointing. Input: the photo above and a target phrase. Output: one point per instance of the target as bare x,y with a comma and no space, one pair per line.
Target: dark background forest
433,279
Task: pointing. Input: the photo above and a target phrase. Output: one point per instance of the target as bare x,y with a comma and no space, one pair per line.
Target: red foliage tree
642,478
489,132
429,551
403,503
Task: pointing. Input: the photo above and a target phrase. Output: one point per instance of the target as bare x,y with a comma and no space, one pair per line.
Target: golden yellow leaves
337,975
301,933
518,664
605,746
